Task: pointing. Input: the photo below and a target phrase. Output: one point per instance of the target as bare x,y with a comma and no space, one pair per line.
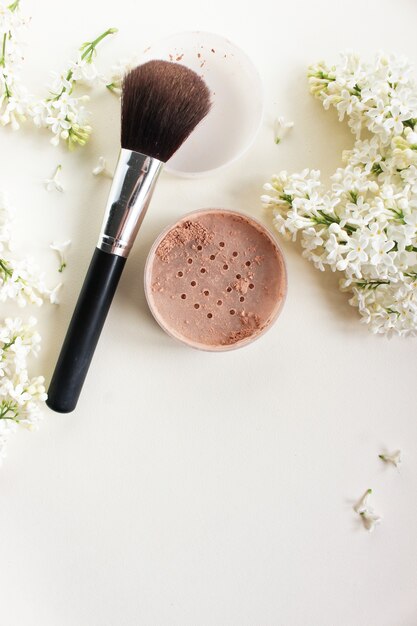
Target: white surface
207,489
236,95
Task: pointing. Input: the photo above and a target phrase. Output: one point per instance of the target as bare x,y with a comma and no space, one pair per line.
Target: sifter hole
242,299
196,306
190,261
229,289
183,296
206,292
193,283
247,263
235,253
225,266
219,302
209,315
180,274
251,286
203,270
212,257
232,311
238,276
199,247
221,244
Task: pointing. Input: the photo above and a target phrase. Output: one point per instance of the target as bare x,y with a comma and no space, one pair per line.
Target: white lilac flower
394,458
370,519
101,168
61,248
365,224
281,128
54,294
13,95
61,112
54,184
114,83
366,512
21,281
67,119
21,396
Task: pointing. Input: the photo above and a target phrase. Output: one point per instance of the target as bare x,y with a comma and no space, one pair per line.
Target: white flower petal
394,458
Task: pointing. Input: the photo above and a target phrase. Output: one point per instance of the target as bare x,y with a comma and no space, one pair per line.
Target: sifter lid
236,115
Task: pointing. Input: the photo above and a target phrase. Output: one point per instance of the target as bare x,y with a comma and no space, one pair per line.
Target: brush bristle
162,103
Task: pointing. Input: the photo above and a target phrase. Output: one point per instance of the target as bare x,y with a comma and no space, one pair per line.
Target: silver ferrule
133,184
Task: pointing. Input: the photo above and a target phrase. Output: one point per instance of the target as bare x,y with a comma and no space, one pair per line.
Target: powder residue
250,324
180,236
241,285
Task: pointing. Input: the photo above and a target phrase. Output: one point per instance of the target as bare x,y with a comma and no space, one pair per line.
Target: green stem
13,6
5,408
410,123
4,267
286,198
323,76
3,64
91,46
89,49
327,220
371,284
111,87
399,215
12,341
3,51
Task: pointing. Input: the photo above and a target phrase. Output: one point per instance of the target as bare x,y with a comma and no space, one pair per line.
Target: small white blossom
366,512
54,294
281,128
21,396
394,457
114,83
54,184
21,281
101,169
61,248
370,520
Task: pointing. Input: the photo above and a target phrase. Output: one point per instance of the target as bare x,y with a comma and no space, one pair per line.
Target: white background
209,489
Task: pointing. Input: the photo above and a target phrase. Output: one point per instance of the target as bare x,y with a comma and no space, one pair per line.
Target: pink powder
216,279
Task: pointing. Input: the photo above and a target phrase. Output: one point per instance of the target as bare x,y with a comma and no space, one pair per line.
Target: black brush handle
87,321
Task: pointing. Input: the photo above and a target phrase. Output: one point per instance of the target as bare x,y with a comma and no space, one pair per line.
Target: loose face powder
216,279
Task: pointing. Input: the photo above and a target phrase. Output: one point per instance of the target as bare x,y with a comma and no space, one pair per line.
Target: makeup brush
162,103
